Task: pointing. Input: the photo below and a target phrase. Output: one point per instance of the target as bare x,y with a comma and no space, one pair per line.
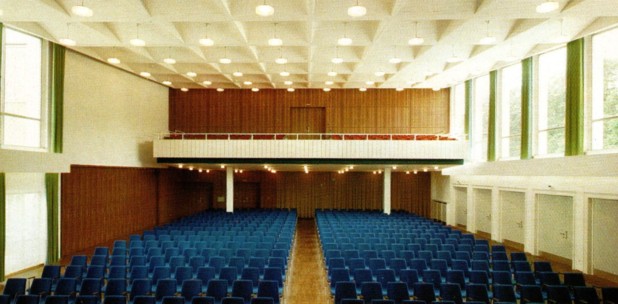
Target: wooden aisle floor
306,281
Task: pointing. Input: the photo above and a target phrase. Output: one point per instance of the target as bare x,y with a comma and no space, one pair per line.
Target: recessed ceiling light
191,74
113,60
264,10
395,60
362,89
288,82
206,42
281,60
225,60
488,40
337,60
82,11
344,41
137,42
67,41
547,7
184,89
357,10
329,82
454,59
284,73
255,90
291,90
144,74
369,82
167,82
207,82
332,73
220,89
237,74
275,41
379,73
247,83
416,41
326,89
169,60
399,89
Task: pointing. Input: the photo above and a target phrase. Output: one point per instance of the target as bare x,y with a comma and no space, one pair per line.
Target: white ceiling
310,29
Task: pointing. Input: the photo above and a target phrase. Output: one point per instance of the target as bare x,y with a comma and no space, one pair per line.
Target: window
480,118
605,91
551,103
459,110
24,102
510,112
26,221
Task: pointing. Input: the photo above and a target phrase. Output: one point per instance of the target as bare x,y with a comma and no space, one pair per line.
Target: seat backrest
397,291
90,287
14,287
344,290
504,293
140,287
371,291
57,299
66,286
451,292
424,292
477,293
205,274
40,286
531,293
268,288
586,295
242,289
27,299
217,289
191,288
558,294
165,288
116,287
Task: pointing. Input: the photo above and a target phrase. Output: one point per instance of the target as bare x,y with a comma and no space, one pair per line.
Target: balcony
304,147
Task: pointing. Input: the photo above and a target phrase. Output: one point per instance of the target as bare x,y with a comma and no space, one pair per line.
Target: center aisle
306,282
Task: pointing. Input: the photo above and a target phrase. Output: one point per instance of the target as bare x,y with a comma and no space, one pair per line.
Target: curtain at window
52,186
2,221
526,108
574,116
491,132
57,54
468,115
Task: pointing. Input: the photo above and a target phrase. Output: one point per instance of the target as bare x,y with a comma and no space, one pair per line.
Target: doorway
308,120
246,195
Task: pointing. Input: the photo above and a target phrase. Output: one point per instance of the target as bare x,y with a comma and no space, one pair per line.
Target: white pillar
581,228
229,186
387,190
471,216
451,206
496,215
530,222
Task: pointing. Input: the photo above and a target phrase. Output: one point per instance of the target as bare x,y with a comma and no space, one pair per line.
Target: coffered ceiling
309,30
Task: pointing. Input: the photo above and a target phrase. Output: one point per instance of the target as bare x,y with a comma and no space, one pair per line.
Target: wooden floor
306,281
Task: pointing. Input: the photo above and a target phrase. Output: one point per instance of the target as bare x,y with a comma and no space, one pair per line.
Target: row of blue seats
92,292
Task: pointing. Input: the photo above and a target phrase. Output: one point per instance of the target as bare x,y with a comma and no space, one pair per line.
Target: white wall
482,208
555,222
110,116
581,178
512,216
604,238
461,200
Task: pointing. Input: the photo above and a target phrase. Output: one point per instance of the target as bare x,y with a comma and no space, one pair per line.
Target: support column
581,231
229,189
471,206
530,223
387,190
451,206
496,215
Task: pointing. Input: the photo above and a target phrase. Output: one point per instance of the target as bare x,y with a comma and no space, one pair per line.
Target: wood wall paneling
346,110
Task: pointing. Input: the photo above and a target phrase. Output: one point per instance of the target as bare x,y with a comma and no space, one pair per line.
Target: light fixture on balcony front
264,10
357,10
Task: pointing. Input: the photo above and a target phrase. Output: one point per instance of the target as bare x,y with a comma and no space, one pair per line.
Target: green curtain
52,185
526,108
2,223
468,116
574,116
57,54
491,132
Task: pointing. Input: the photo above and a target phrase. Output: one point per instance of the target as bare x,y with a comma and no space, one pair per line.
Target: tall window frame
603,110
550,104
24,92
509,112
480,119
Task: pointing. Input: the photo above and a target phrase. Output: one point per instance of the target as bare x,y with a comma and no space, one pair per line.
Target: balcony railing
300,136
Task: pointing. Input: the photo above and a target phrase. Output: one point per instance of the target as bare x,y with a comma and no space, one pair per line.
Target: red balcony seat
402,137
426,137
217,136
355,137
379,137
240,136
264,136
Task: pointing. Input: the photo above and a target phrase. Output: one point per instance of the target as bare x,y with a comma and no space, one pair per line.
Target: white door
512,217
461,201
555,224
482,203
